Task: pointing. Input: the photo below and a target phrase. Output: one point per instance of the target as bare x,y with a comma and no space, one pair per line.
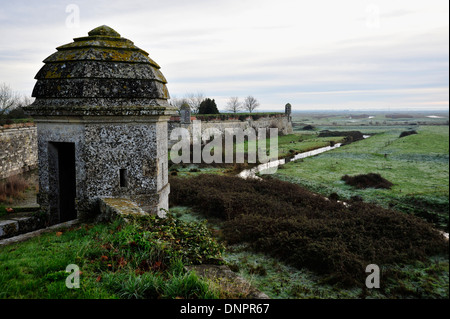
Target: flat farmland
417,165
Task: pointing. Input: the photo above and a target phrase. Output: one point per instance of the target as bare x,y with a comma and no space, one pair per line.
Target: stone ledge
111,208
19,223
6,128
26,236
8,228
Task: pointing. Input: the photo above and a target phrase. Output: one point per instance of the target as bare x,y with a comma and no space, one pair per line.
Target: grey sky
313,54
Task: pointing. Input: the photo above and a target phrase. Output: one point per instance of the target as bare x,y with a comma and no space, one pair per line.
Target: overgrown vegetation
305,230
143,258
12,187
168,238
427,279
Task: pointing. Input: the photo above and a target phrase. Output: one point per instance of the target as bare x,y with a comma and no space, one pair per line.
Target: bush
370,180
333,196
305,230
134,286
406,133
188,286
351,136
166,239
17,113
208,106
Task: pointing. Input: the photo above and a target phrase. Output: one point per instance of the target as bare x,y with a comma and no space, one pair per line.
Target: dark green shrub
371,180
351,136
407,133
162,240
305,230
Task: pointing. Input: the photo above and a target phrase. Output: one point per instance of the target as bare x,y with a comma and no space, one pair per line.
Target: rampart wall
18,149
18,142
280,121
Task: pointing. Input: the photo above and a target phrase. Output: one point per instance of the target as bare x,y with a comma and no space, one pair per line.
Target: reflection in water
271,167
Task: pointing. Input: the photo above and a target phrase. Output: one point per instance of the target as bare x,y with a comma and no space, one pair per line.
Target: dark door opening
66,181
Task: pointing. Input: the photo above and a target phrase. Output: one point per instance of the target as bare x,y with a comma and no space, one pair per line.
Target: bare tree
233,105
8,98
194,100
250,103
25,100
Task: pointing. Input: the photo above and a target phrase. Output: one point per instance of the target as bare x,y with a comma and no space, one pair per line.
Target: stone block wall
104,151
281,122
18,149
20,223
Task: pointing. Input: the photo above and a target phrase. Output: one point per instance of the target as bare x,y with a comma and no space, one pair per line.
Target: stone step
26,236
19,223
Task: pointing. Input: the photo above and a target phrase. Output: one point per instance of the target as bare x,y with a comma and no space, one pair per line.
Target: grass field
288,145
135,260
417,165
367,120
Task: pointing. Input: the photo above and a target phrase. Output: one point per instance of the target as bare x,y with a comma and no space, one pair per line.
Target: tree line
11,103
199,104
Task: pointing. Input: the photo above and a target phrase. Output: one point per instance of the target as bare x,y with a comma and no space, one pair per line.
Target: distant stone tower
101,111
287,111
185,114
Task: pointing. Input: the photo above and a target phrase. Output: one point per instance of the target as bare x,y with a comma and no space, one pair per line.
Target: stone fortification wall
18,143
18,149
281,122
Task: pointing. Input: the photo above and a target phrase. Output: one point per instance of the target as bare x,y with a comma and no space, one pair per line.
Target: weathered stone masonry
281,122
101,111
18,146
18,150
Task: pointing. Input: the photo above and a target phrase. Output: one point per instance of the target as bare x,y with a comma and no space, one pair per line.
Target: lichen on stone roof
102,66
105,31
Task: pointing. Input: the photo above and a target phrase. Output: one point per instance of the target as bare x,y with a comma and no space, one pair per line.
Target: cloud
288,50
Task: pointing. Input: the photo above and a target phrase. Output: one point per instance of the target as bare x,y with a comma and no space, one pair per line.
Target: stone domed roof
100,74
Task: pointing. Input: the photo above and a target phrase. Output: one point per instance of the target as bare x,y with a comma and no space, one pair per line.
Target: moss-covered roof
102,69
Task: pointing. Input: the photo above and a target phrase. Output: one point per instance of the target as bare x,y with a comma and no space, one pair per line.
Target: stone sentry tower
101,112
288,111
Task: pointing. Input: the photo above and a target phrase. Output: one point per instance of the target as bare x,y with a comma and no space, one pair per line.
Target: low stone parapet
20,223
18,149
111,208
